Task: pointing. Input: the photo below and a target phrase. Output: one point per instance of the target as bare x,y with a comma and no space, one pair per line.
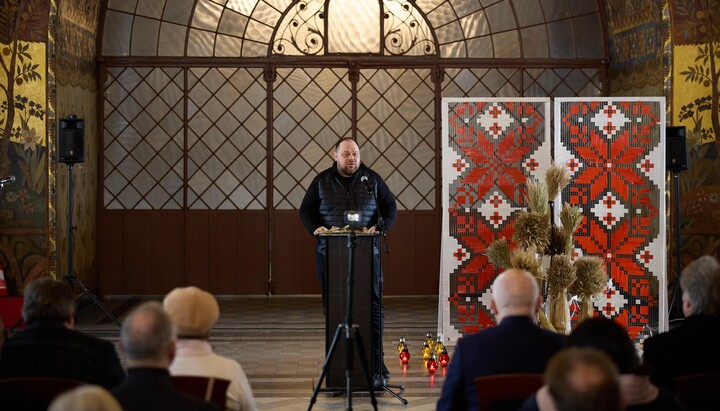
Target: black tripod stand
674,313
352,337
70,274
676,160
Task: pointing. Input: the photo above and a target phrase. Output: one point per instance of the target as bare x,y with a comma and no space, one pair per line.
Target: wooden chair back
207,388
505,391
33,393
698,392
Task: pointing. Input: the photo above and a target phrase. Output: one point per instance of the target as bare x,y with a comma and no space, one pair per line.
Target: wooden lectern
336,269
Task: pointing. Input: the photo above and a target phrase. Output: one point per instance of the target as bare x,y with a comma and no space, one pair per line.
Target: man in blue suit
514,345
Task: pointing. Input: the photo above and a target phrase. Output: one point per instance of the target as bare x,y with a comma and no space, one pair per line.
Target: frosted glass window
116,37
145,37
560,38
528,12
501,17
506,45
200,43
244,7
556,9
587,43
475,25
232,23
353,26
178,11
535,42
207,15
168,44
127,6
150,8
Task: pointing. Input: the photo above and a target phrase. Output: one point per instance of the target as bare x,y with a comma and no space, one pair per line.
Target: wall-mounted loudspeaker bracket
71,140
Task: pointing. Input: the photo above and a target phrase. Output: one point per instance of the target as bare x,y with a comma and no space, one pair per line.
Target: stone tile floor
280,342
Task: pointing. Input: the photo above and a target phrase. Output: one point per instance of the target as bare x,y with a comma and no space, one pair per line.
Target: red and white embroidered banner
490,147
615,150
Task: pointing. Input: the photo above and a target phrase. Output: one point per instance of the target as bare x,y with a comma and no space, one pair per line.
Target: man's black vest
336,198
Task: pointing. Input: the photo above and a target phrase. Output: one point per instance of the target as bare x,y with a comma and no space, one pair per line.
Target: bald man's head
515,292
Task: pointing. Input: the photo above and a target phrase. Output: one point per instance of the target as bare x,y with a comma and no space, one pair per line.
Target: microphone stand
381,220
381,223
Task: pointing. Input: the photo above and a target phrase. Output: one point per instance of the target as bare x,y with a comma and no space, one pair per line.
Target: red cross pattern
459,254
532,164
646,256
646,165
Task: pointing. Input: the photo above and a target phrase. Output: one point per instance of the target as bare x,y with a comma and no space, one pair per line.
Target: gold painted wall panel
81,102
77,94
24,115
695,80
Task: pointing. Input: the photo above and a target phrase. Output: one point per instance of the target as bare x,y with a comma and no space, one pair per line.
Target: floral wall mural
24,146
696,93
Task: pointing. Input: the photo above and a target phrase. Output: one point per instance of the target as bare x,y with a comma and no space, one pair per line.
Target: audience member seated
515,345
580,379
638,393
85,398
148,339
692,347
194,313
49,346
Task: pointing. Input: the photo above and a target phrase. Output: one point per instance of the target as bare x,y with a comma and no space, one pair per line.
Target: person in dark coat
50,347
148,339
692,347
515,345
349,185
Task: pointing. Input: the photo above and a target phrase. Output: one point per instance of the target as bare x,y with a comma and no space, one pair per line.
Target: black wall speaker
675,149
71,140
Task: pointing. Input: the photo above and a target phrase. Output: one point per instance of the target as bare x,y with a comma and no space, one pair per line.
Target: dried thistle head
558,242
526,260
499,253
591,277
560,274
532,230
537,196
570,217
556,178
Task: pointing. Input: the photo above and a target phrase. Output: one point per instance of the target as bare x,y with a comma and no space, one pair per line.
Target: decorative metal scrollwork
406,32
302,30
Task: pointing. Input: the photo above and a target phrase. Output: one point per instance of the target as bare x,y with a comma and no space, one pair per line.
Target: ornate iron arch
403,30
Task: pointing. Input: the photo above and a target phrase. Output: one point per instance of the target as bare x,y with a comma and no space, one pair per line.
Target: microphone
8,179
364,180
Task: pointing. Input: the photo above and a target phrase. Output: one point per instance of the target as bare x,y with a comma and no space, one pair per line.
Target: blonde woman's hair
85,398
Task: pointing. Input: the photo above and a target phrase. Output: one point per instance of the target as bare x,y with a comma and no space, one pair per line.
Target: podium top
346,233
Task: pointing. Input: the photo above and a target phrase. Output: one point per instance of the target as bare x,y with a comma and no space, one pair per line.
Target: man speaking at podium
350,185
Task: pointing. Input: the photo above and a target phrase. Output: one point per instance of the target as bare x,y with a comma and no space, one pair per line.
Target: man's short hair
147,332
583,379
701,281
48,299
337,145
